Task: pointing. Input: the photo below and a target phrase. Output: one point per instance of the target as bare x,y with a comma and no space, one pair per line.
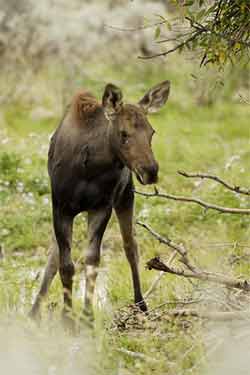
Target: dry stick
157,264
206,205
138,28
193,271
174,302
158,278
151,314
235,188
213,315
179,248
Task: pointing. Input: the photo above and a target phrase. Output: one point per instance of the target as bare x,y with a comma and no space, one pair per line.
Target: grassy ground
189,136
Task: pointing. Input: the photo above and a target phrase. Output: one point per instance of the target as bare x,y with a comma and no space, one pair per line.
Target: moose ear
156,97
112,100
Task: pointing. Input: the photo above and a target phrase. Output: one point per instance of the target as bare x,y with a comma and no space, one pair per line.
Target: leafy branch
219,30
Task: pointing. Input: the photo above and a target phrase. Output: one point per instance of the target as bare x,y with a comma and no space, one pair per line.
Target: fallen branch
157,264
206,205
211,315
158,278
193,271
179,248
234,188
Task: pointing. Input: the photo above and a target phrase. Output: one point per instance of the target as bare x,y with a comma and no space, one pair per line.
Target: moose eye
124,137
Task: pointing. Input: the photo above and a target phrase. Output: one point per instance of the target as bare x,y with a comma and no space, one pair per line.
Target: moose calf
91,158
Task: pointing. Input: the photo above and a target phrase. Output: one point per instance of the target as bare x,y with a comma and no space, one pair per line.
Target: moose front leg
125,218
63,231
97,223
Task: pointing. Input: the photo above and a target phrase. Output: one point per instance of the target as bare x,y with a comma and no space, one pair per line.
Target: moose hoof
142,306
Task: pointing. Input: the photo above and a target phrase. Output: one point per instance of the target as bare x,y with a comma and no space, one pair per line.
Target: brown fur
83,105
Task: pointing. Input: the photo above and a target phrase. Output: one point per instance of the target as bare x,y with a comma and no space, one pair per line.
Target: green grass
188,137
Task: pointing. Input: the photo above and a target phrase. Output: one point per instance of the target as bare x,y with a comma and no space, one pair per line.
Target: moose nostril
152,169
155,168
152,172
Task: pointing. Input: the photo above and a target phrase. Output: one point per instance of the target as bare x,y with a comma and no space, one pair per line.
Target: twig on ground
174,302
234,188
211,315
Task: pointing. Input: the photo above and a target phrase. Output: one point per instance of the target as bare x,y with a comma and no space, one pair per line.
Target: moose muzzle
147,174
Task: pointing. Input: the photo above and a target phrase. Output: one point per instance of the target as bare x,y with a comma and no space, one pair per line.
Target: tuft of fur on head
84,104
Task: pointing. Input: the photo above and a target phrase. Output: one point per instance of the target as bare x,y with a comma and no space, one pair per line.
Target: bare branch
211,315
193,271
158,278
177,47
206,205
133,29
235,188
157,264
173,302
179,248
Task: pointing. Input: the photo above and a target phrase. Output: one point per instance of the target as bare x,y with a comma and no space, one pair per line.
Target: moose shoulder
92,156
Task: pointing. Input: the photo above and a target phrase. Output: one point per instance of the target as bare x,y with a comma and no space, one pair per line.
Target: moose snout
150,173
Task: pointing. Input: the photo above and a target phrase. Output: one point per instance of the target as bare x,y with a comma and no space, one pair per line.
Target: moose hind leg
125,218
63,225
49,274
97,223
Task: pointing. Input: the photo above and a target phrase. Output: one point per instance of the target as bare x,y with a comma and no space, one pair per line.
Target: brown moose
91,158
